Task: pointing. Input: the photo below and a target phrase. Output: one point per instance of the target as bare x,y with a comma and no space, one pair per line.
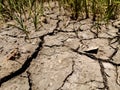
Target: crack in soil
66,78
51,46
102,69
24,66
104,76
117,76
29,80
114,53
29,59
90,82
95,58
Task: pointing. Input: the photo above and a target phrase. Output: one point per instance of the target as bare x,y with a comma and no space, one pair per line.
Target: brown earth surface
62,55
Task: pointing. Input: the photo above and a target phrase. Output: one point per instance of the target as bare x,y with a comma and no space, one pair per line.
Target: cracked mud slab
62,55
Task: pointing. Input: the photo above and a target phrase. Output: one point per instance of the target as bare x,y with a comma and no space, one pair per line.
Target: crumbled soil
62,55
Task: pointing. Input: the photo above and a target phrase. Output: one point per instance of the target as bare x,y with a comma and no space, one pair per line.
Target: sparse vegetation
98,9
23,10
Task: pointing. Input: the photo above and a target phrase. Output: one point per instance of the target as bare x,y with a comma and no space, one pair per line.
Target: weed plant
23,10
97,9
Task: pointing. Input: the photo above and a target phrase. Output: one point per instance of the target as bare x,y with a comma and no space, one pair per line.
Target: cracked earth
62,55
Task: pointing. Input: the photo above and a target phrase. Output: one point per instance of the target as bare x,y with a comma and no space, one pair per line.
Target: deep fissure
66,78
29,59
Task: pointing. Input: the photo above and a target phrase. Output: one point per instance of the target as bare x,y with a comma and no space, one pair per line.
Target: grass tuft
23,10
